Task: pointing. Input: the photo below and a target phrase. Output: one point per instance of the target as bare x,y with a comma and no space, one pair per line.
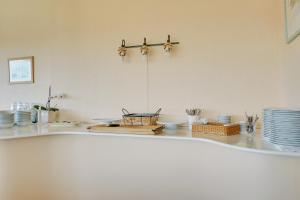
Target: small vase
192,119
49,116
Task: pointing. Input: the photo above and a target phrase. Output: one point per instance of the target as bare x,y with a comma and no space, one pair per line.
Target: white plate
107,120
64,124
24,123
3,121
7,125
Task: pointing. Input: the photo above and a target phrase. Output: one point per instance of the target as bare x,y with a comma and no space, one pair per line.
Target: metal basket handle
125,112
157,112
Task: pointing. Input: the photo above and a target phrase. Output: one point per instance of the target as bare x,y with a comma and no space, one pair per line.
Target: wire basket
140,119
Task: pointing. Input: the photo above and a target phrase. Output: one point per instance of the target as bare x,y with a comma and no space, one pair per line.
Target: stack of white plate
224,119
282,127
6,119
23,118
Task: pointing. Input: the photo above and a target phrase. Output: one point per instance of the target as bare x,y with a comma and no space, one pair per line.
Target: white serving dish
170,124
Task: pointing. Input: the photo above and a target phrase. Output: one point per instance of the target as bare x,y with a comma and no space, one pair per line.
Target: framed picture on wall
292,19
21,70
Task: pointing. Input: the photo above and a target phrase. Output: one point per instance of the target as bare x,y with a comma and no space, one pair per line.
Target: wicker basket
140,119
217,129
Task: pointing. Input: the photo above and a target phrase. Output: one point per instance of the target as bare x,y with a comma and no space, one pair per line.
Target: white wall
228,61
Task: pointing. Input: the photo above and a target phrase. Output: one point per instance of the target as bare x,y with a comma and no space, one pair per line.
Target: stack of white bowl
282,127
23,118
6,119
224,119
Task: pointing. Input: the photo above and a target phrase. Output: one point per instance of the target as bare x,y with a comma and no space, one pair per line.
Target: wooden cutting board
125,129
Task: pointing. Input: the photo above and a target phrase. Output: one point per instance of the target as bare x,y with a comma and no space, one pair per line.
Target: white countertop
240,142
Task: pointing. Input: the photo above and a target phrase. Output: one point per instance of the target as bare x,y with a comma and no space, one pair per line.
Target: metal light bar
149,45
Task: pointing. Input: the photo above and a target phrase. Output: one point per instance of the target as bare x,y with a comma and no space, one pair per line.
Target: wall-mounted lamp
122,50
168,46
144,48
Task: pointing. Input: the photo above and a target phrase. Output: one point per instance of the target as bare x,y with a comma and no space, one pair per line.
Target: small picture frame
21,70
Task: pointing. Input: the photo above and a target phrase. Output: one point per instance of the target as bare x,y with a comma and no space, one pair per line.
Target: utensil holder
193,119
49,116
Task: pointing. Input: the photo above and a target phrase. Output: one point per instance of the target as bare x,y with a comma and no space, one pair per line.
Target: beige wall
228,61
291,73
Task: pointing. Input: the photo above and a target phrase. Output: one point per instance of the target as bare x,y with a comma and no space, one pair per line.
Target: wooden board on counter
125,129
